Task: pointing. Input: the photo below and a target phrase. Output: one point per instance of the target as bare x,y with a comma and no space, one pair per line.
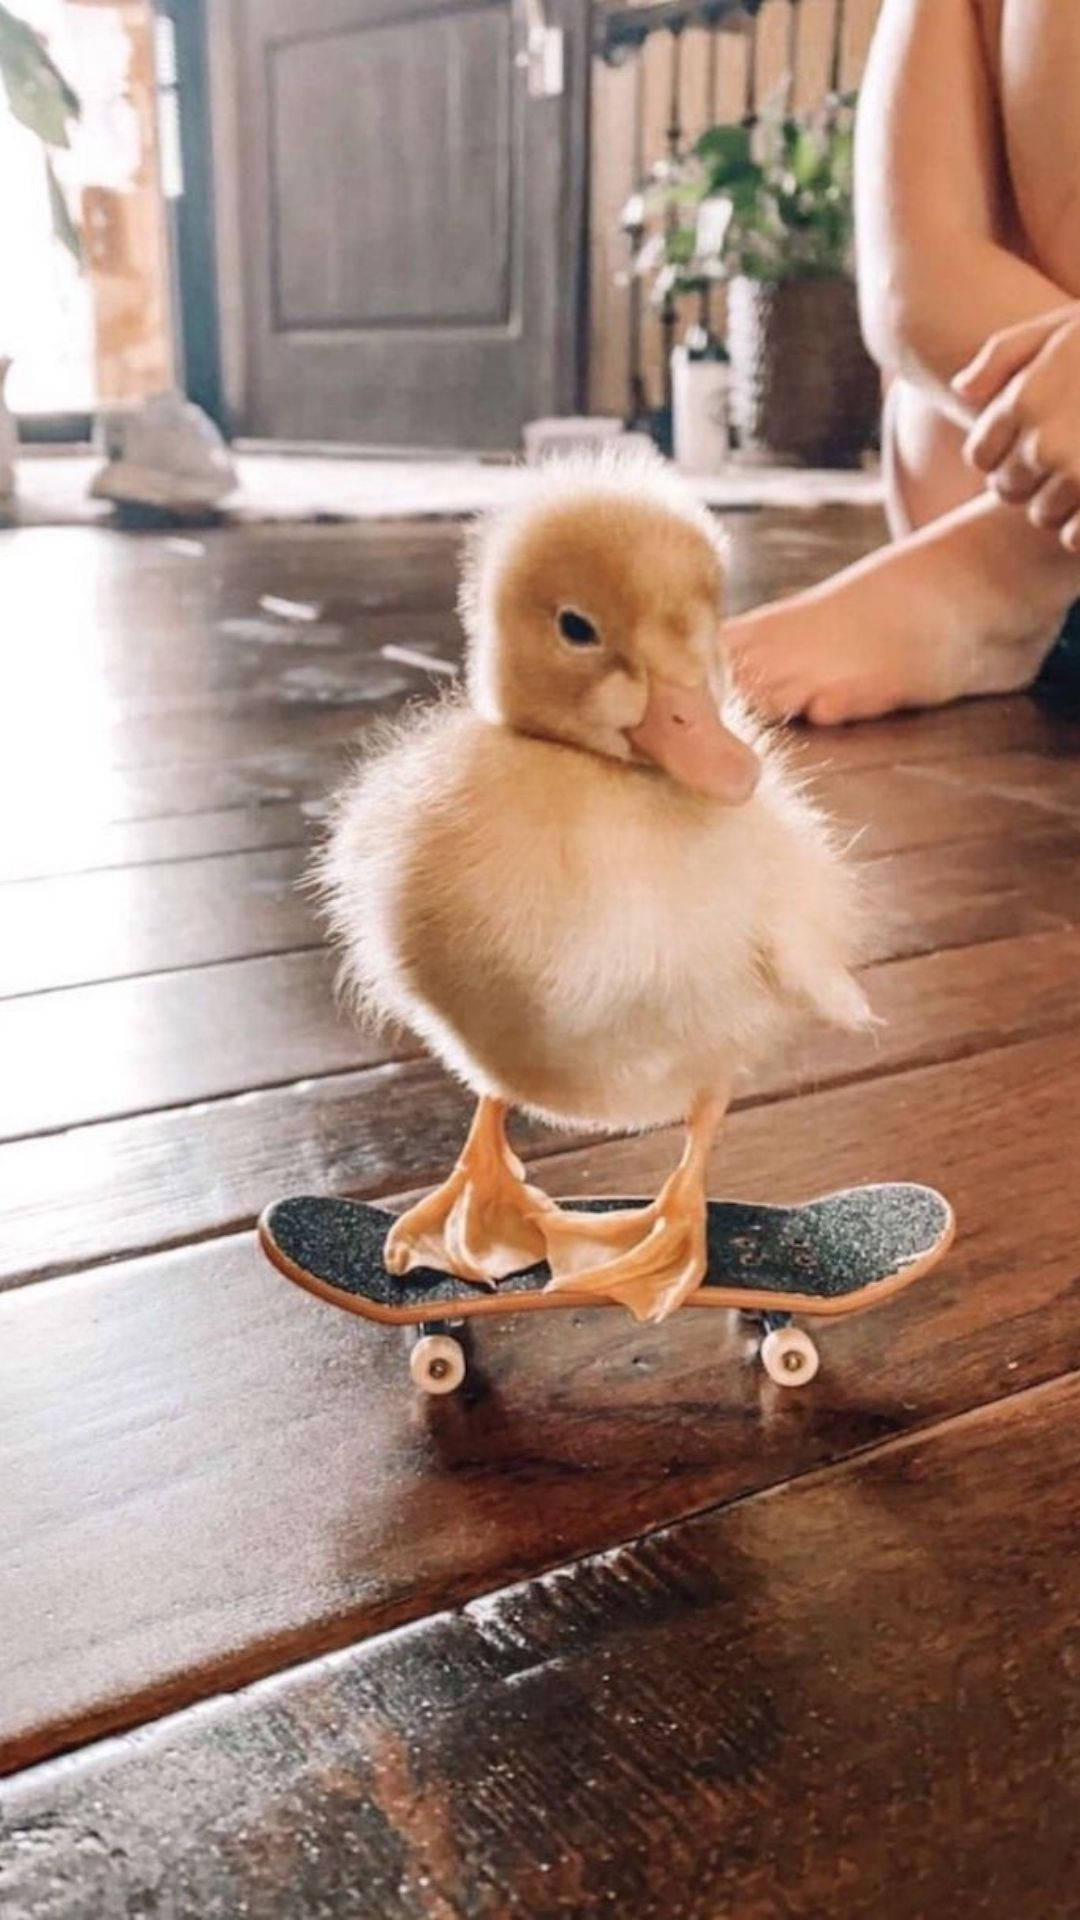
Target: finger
1070,534
1025,470
993,438
1055,502
1015,481
1005,354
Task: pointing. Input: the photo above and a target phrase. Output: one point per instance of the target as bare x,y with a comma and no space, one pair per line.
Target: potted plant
802,384
42,100
767,209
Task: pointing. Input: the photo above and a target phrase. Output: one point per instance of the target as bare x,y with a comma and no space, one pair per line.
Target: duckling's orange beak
683,733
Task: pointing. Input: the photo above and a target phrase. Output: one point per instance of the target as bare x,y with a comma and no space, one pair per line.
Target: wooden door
401,189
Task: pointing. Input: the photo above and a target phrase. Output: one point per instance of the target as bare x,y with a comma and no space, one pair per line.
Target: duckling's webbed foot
650,1259
663,1264
483,1222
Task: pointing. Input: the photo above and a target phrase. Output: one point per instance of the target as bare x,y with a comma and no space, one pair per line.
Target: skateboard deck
829,1256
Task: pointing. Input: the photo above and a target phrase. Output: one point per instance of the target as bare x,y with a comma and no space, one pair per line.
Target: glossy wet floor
678,1642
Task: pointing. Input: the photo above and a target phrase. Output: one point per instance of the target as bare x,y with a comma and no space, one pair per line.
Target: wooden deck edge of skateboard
737,1299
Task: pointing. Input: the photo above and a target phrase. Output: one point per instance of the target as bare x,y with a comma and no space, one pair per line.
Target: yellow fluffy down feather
568,927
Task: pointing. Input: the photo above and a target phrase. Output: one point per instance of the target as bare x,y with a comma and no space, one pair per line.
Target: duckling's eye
575,628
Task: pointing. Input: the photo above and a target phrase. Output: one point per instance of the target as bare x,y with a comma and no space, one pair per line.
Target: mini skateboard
834,1255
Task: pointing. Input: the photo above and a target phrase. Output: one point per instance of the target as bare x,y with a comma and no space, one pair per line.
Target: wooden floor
631,1631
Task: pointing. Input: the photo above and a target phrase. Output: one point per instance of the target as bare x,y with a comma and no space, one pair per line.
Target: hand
1025,387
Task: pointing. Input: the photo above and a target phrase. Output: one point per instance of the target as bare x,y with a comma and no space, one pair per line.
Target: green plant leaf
809,157
63,225
726,151
843,156
785,184
680,247
37,92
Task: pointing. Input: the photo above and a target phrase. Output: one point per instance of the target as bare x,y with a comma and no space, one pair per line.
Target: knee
893,317
925,472
882,319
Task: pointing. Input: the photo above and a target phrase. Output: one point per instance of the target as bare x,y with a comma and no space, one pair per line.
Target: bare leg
922,459
482,1223
650,1259
973,602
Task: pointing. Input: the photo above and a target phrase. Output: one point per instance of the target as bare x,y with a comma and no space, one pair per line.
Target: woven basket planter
803,387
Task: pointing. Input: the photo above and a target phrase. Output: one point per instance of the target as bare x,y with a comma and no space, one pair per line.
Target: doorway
401,190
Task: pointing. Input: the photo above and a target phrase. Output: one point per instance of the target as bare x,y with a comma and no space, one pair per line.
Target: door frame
211,253
190,217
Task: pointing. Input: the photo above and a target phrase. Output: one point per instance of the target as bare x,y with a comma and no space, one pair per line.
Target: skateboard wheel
789,1357
437,1363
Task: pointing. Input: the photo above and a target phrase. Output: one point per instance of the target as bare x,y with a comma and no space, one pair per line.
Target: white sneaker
165,453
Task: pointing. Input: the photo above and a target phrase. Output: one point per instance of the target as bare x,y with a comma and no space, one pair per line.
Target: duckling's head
593,610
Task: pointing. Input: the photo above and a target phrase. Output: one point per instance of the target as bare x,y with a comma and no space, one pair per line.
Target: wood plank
129,1186
89,846
243,648
958,893
88,927
245,767
407,565
855,1696
256,658
209,703
276,797
773,553
103,925
300,776
202,739
933,1008
126,1046
1020,781
947,735
233,1476
890,809
159,623
149,660
94,1052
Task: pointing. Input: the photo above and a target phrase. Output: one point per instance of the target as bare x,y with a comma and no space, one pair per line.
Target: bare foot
969,605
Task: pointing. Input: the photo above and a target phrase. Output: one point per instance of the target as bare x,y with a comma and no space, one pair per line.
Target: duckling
589,883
